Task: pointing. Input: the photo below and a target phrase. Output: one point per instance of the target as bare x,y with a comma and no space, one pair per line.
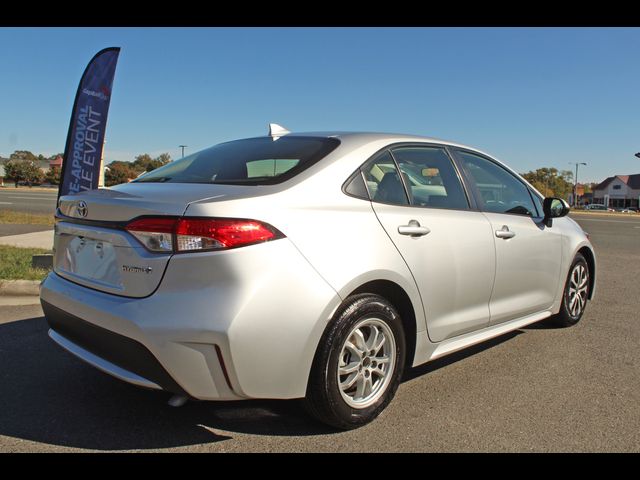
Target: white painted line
6,203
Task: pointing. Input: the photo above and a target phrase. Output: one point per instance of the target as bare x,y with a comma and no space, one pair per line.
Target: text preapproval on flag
83,150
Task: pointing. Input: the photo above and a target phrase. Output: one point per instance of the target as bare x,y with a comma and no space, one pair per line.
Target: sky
531,97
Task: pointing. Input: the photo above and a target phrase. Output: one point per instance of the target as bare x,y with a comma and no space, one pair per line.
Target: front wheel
359,363
575,294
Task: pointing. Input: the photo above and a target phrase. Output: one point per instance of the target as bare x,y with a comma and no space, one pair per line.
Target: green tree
144,162
53,176
551,182
23,155
21,171
118,172
141,162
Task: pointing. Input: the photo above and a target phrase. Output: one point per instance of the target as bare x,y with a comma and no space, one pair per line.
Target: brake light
206,234
167,234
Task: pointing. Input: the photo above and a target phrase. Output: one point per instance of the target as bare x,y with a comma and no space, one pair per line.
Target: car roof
354,138
366,137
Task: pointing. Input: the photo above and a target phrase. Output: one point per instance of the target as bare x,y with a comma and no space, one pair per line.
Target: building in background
56,162
619,192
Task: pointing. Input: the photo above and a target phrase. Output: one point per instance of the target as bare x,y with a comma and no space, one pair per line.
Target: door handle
413,229
505,233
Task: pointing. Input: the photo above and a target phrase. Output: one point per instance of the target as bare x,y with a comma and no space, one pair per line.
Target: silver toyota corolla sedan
312,265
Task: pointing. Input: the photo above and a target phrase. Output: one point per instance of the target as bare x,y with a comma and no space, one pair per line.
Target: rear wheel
576,293
359,363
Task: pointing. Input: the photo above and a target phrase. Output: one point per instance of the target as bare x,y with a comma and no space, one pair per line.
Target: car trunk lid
93,248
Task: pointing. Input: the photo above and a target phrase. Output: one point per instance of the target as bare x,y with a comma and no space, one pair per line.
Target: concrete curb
19,288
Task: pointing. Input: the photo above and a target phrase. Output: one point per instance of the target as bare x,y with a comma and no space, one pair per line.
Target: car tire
359,363
575,293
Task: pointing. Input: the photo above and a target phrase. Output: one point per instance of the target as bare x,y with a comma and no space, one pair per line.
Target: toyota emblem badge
82,209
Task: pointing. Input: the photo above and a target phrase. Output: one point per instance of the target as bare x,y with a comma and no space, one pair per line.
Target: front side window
251,161
538,203
430,177
499,190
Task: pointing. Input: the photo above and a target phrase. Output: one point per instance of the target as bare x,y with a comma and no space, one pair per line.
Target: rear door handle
413,229
505,233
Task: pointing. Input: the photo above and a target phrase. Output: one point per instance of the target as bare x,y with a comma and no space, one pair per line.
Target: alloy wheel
366,363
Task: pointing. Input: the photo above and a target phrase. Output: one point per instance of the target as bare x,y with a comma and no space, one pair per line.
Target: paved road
26,200
538,389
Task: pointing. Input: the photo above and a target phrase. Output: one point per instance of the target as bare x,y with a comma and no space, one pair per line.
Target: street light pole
638,155
183,147
575,187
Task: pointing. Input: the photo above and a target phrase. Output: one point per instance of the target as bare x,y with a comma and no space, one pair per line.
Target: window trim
540,215
471,201
474,188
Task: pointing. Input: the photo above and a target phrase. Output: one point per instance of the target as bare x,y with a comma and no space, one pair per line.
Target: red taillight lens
207,234
168,234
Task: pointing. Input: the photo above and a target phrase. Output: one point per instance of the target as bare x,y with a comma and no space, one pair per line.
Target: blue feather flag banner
83,150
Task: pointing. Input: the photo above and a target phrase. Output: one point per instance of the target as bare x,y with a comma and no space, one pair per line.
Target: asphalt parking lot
538,389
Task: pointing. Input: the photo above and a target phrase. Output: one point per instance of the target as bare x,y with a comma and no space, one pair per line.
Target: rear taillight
207,234
156,234
166,234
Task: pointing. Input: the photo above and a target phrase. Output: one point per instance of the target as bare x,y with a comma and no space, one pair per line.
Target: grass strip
15,263
25,218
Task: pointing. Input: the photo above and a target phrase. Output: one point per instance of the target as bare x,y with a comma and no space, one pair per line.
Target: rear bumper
101,363
114,354
221,326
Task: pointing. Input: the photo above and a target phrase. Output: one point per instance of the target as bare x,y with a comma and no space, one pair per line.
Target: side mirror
554,208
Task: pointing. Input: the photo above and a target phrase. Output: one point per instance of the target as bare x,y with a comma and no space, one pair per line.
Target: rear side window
430,177
383,181
252,161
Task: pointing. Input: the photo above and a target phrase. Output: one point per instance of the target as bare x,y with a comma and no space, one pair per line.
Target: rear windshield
252,161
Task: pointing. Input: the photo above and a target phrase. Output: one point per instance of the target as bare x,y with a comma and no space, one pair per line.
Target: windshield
252,161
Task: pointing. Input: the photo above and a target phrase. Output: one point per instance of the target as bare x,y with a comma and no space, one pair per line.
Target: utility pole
183,147
638,155
575,185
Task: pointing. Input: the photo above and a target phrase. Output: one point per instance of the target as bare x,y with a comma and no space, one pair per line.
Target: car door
528,254
447,246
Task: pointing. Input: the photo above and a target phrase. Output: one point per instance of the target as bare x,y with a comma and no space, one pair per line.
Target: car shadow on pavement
546,324
49,396
442,362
